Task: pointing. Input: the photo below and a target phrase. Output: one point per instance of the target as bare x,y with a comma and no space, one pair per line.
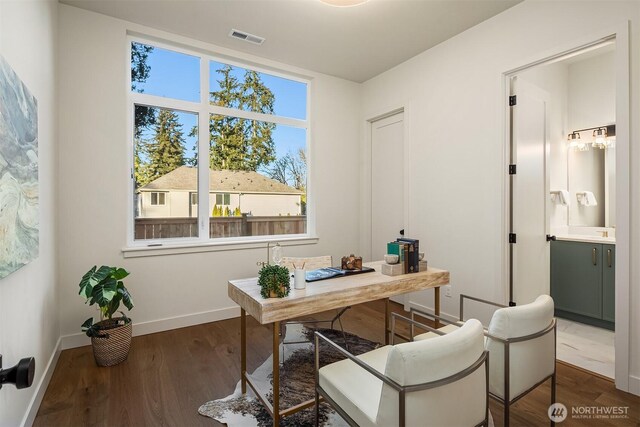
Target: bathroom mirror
594,171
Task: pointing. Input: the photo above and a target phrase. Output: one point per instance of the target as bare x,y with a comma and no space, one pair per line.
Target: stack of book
408,251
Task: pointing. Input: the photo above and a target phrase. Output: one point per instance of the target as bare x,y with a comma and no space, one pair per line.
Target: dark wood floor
170,374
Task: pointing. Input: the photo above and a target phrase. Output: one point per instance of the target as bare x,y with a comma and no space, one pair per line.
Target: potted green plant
274,281
111,336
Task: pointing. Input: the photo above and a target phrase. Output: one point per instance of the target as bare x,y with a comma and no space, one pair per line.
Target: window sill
189,248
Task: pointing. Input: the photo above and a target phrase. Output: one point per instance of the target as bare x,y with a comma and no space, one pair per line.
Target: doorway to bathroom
561,199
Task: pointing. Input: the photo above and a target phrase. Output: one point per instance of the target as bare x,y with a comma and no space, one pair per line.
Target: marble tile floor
587,347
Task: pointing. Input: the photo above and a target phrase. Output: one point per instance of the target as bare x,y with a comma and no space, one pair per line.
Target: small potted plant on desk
274,281
110,337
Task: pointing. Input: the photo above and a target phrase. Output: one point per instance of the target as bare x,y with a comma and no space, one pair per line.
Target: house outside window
251,128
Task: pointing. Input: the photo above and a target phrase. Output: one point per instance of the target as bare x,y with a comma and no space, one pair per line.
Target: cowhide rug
296,383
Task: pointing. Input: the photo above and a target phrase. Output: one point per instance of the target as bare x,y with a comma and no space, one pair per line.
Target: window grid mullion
250,115
203,153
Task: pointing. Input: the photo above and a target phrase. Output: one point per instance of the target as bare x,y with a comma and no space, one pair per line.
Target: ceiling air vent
241,35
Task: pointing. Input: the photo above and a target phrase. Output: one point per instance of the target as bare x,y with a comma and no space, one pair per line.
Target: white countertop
586,239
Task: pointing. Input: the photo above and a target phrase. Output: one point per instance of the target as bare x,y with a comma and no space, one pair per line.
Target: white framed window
158,198
223,199
251,127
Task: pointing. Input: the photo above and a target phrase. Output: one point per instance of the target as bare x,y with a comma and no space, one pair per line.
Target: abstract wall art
19,221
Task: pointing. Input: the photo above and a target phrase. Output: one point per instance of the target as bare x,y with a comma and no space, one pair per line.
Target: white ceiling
355,43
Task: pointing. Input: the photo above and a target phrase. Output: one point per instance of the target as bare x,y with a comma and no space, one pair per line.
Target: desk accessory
391,258
299,279
413,253
352,262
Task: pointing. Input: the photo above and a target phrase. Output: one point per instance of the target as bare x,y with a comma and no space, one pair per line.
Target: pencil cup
299,281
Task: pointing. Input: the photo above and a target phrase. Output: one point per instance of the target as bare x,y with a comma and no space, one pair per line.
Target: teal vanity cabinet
583,282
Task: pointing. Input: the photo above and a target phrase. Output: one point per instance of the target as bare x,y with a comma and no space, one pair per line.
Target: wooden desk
317,297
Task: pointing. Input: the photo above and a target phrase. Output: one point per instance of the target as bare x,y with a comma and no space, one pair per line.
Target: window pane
259,176
236,87
163,72
165,147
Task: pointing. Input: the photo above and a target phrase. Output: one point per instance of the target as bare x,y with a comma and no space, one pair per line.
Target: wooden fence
234,226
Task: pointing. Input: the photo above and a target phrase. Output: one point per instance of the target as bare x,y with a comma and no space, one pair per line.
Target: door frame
619,33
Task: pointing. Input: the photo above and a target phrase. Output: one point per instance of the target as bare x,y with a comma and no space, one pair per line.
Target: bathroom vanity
583,279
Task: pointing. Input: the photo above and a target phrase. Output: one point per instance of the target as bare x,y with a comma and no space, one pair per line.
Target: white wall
29,305
92,82
455,97
592,92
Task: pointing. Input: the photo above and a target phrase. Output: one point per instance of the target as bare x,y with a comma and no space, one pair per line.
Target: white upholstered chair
522,343
437,382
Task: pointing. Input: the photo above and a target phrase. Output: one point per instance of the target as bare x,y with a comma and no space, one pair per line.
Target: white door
530,196
387,182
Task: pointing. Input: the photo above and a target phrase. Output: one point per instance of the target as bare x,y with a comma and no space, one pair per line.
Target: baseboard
160,325
421,307
41,387
634,385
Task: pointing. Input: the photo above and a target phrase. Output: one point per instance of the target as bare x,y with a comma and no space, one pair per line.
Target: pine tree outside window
251,129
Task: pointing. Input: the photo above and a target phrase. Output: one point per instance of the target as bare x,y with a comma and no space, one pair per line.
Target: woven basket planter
112,345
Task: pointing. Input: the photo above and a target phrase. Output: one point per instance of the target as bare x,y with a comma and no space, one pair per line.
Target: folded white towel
587,198
561,197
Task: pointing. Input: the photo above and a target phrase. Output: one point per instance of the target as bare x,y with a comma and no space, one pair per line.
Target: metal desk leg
243,350
387,331
436,303
276,373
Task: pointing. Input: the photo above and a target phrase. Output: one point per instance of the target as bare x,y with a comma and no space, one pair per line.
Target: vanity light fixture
603,137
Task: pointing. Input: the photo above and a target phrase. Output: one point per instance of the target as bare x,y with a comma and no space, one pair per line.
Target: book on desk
331,272
408,253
